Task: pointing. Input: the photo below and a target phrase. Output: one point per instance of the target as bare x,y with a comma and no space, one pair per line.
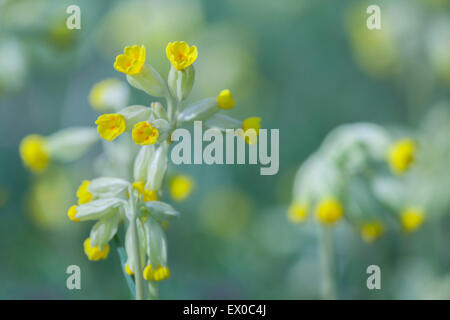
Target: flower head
181,55
251,128
329,210
84,196
158,274
181,187
225,99
297,212
412,218
95,253
144,133
147,195
371,231
34,153
128,270
71,213
131,61
401,155
110,126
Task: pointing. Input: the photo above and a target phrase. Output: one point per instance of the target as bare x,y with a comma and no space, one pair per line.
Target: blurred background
303,66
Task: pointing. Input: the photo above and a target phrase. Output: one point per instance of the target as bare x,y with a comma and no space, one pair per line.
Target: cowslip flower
329,210
251,127
371,231
225,99
181,187
412,219
158,274
145,194
84,196
144,133
72,212
34,153
401,155
110,126
95,253
297,212
181,55
131,61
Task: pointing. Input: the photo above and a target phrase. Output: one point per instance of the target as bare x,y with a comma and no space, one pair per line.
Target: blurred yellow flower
128,270
108,95
84,196
329,210
251,123
161,273
181,187
401,155
297,212
181,55
110,126
72,212
371,231
34,153
144,133
412,218
131,61
147,195
225,99
95,253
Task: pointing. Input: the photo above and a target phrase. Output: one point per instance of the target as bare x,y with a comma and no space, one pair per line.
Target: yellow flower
181,55
371,231
412,218
131,61
297,212
144,133
128,270
225,99
329,210
248,124
161,273
401,155
72,212
181,187
147,195
84,196
95,253
34,153
110,126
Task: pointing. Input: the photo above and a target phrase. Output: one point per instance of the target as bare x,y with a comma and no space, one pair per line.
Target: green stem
138,276
328,263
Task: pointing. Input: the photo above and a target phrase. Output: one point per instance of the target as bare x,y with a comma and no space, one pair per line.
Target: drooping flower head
110,126
33,152
181,55
84,196
158,274
297,212
131,61
95,253
147,195
225,99
371,231
401,155
252,124
412,219
144,133
329,210
71,213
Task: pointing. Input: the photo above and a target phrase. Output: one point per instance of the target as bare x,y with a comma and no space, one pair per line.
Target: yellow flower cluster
34,153
161,273
147,195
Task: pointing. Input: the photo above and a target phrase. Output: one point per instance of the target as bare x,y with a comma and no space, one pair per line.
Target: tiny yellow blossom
34,153
84,196
181,55
128,270
72,212
329,210
297,212
110,126
144,133
131,61
95,253
225,99
161,273
412,218
147,195
371,231
401,155
181,187
248,124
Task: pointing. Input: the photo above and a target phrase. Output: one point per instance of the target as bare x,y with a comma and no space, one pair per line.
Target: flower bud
142,162
181,81
157,168
148,80
70,144
200,110
135,114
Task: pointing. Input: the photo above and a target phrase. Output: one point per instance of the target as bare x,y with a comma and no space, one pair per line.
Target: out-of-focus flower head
181,186
109,95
